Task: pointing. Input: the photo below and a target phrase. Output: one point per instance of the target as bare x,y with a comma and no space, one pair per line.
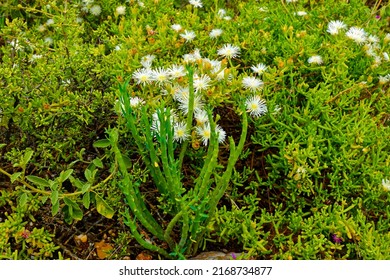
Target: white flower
156,120
121,10
196,54
196,3
189,58
215,33
384,79
387,38
95,10
141,4
201,82
386,184
221,13
143,76
176,27
256,106
188,35
50,21
180,132
49,41
160,75
373,39
335,26
301,13
229,51
221,134
136,101
147,60
177,71
15,44
41,28
201,117
252,83
385,56
227,17
184,101
357,34
117,47
259,68
35,57
315,59
205,133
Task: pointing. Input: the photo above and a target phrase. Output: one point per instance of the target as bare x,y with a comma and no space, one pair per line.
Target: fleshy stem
190,75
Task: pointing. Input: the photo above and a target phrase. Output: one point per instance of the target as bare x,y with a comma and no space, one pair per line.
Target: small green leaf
86,200
76,182
103,143
88,175
38,181
15,176
54,197
44,198
103,208
55,208
23,200
65,175
85,187
127,161
74,209
98,162
2,145
27,156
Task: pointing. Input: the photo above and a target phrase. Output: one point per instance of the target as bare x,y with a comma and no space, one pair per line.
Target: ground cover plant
163,129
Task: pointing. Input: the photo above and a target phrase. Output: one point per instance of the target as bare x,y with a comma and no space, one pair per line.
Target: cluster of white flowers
360,37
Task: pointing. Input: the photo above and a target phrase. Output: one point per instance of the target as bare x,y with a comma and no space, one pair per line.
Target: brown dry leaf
144,257
103,249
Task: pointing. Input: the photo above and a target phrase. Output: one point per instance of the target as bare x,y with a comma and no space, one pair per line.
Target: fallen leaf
144,257
103,249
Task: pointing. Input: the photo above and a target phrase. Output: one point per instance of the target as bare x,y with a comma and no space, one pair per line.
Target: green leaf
2,145
127,161
27,156
76,182
15,176
103,143
55,208
85,187
54,197
23,200
44,198
73,208
98,162
103,208
38,181
88,175
86,200
65,175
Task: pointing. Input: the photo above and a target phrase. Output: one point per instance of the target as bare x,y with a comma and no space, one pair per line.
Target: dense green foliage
311,180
